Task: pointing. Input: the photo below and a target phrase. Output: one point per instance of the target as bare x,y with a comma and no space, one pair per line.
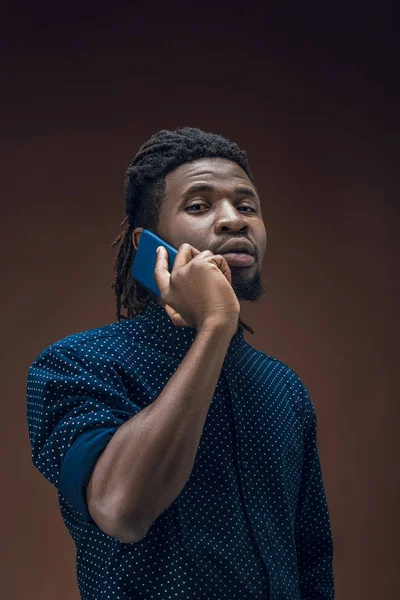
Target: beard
247,289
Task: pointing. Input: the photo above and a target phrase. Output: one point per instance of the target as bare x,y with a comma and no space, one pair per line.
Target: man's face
207,219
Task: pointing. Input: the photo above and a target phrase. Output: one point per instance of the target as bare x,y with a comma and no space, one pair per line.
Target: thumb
175,317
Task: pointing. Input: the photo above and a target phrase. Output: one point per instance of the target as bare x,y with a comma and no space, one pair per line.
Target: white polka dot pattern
252,521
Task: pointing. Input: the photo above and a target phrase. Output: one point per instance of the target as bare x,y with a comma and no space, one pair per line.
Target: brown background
313,99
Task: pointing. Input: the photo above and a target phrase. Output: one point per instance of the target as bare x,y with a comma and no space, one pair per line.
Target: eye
200,203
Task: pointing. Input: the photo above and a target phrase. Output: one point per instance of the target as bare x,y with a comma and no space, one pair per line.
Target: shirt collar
157,321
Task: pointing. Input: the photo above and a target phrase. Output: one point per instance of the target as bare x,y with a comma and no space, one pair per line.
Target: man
185,460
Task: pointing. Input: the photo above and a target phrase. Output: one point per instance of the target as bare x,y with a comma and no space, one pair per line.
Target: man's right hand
198,291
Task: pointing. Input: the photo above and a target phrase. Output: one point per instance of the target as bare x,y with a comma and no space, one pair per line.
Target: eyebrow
206,187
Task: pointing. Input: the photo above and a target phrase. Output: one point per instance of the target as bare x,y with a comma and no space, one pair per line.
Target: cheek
262,240
179,230
194,231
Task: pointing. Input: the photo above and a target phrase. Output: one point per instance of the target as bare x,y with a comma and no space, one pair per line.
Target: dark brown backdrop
313,101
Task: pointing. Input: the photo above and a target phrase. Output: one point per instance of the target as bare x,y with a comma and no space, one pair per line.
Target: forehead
219,171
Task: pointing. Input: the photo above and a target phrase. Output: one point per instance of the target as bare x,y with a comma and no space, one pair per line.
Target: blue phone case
145,259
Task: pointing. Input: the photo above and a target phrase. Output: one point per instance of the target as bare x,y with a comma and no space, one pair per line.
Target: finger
185,254
161,274
220,263
223,266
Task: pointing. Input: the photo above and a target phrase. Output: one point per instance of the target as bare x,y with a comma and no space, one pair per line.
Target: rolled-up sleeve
313,530
72,414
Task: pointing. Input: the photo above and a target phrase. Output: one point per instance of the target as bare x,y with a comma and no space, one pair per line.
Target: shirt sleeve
313,531
72,414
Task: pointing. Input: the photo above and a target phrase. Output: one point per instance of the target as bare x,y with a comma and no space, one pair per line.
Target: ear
136,233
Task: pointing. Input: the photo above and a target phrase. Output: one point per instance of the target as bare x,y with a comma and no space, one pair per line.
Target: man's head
196,187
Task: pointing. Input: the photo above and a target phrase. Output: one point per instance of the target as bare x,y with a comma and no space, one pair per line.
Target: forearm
313,530
149,459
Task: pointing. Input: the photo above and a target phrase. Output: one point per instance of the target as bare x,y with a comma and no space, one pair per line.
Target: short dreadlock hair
144,195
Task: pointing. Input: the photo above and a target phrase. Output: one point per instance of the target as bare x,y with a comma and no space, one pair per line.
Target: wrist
221,326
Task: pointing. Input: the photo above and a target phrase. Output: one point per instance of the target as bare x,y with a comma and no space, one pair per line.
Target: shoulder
104,340
286,374
286,378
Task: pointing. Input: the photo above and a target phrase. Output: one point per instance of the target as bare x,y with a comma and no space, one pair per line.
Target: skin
221,216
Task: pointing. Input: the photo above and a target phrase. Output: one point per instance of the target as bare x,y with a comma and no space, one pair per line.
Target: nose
229,218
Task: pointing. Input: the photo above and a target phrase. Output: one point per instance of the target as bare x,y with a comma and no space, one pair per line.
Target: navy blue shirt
252,521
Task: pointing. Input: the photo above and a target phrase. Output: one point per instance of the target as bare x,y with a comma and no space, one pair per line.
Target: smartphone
145,259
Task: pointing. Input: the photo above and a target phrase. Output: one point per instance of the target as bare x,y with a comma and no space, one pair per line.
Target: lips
238,259
237,245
